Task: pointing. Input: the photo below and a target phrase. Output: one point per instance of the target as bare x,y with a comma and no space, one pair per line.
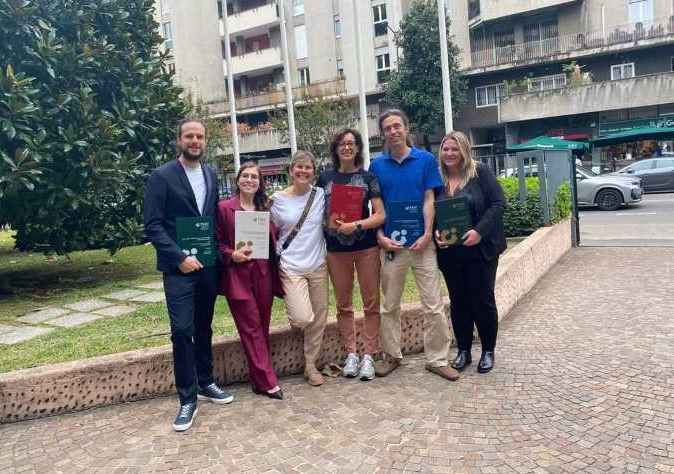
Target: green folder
196,238
452,219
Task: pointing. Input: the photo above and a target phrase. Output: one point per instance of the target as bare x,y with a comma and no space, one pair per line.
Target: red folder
346,203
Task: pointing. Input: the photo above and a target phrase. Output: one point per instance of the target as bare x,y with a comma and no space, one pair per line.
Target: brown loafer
385,366
445,372
313,377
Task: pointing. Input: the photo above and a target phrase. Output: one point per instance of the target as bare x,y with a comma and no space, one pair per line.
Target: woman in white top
303,271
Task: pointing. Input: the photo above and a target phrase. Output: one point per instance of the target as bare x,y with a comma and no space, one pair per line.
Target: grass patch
36,281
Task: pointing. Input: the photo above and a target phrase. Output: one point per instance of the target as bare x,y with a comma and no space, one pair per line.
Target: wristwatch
359,227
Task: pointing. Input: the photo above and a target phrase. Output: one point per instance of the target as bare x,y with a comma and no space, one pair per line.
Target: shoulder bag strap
296,228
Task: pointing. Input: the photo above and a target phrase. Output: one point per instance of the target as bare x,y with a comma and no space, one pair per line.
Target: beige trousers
437,337
306,298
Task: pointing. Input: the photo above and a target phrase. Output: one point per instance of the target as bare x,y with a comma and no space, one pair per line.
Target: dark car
657,174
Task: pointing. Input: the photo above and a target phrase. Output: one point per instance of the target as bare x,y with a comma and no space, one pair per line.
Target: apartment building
593,70
321,41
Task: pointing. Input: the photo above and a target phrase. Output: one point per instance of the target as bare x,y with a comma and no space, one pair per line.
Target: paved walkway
584,383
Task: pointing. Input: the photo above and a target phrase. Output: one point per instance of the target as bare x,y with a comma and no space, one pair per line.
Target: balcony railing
273,97
245,20
261,59
639,91
533,51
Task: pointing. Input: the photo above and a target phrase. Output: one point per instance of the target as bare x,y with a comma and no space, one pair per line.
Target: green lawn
29,281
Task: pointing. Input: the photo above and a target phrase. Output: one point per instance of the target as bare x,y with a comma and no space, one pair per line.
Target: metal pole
603,22
361,90
230,93
575,219
292,134
444,61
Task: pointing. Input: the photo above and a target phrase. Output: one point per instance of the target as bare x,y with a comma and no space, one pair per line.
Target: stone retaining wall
135,375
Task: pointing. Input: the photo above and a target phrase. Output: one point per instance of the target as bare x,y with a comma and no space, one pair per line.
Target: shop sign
664,121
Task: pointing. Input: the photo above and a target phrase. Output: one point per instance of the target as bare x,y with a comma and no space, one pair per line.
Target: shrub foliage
87,109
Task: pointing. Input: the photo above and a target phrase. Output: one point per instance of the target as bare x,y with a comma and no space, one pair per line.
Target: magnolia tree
87,110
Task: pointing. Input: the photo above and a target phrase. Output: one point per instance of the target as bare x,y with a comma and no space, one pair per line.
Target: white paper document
251,231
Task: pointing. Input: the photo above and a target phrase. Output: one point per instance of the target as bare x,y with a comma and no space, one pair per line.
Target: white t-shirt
198,183
307,250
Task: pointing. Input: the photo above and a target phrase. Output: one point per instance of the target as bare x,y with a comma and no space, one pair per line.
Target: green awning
641,133
549,143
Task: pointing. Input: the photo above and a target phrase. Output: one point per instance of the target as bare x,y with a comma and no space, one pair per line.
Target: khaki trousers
306,298
437,337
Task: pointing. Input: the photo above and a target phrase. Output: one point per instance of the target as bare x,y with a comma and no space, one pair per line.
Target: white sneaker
350,369
366,368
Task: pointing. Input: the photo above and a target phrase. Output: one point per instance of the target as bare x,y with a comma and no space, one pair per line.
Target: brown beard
185,152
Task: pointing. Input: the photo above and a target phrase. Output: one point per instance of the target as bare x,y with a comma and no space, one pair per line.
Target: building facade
321,43
577,69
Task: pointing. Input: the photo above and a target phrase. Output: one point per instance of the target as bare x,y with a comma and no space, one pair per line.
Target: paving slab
22,333
152,297
583,383
73,319
88,305
117,310
5,329
37,317
155,285
124,295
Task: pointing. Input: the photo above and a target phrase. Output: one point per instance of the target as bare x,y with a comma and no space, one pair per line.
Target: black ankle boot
462,359
486,362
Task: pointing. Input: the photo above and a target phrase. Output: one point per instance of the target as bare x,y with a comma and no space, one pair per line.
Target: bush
524,218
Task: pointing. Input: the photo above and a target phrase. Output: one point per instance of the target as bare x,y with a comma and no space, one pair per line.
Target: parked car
657,174
607,191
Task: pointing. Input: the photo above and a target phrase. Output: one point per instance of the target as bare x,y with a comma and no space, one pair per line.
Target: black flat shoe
486,362
277,395
462,360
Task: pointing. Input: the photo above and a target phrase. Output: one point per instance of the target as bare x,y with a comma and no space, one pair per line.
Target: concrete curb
145,373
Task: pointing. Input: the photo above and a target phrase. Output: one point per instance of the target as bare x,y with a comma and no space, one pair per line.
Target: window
664,163
301,42
672,63
163,7
305,79
487,96
473,9
340,68
622,71
171,68
168,35
545,83
298,7
380,19
338,26
640,11
383,62
220,15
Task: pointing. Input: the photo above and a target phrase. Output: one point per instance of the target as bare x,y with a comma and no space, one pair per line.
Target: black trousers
472,302
190,299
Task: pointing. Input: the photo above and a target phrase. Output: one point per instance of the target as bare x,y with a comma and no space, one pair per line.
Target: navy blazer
168,195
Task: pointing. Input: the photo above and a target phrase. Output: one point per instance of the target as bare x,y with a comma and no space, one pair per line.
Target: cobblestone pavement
584,382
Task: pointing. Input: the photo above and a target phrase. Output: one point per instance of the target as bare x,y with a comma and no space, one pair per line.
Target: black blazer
487,205
168,195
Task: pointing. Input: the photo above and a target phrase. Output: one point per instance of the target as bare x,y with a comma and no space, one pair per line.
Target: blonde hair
468,168
300,156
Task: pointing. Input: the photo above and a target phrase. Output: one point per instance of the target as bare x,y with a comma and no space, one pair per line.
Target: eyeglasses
349,144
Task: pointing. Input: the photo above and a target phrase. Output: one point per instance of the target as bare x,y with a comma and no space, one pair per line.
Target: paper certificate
195,237
452,219
251,231
404,222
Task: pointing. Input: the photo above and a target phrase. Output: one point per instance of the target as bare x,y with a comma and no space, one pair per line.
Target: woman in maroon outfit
250,284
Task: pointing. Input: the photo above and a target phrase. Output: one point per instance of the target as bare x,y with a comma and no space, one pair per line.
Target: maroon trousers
252,316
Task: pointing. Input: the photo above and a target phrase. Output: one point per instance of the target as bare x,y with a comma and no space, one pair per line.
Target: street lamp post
292,134
230,93
361,89
444,61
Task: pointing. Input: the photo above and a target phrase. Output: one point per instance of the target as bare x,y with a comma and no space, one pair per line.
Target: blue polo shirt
408,180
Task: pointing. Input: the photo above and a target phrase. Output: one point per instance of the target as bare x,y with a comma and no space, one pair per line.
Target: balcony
269,98
263,140
488,10
259,60
249,20
616,38
640,91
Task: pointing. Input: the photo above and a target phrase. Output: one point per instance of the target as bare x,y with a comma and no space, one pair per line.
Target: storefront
620,143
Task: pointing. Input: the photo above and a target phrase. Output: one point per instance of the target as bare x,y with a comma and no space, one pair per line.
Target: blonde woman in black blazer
470,269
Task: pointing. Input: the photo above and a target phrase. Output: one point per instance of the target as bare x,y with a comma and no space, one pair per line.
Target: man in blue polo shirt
408,177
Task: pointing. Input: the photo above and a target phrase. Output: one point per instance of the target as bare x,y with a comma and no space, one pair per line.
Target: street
649,223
